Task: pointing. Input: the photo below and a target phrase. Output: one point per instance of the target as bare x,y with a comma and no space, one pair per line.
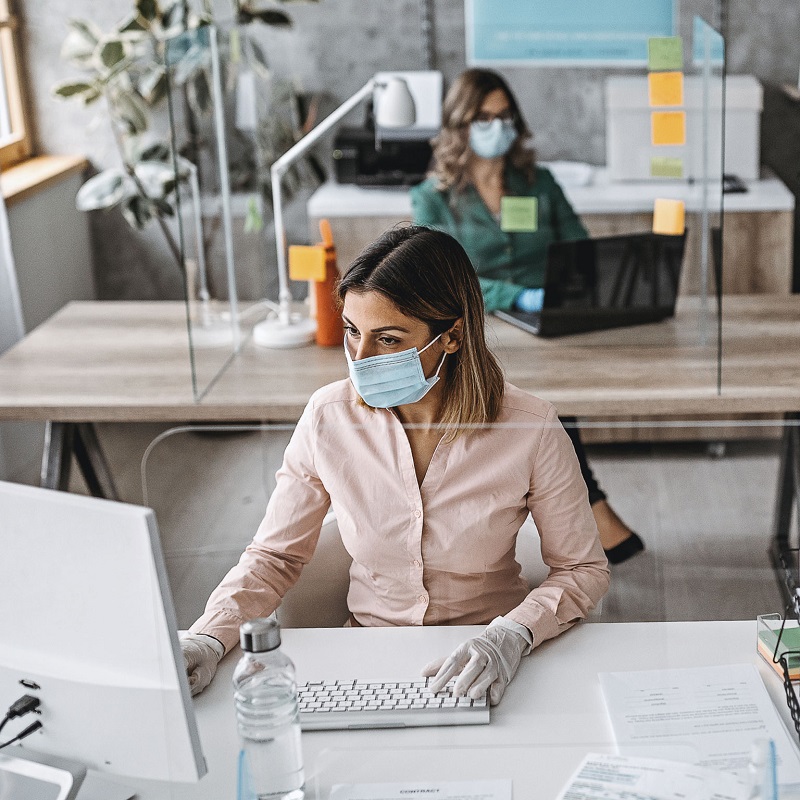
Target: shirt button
422,598
417,513
415,563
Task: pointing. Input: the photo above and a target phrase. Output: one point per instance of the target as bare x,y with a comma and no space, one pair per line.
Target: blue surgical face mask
391,379
492,140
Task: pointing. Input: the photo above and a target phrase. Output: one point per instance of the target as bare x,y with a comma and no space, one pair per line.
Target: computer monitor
87,625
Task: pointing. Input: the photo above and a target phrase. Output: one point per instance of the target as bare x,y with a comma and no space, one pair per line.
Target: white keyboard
352,704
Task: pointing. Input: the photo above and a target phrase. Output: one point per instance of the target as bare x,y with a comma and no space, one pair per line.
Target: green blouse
506,263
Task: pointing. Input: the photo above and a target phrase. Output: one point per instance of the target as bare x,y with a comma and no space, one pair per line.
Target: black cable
32,728
5,720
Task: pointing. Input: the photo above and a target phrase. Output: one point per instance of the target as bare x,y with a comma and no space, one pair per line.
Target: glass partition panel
219,196
701,495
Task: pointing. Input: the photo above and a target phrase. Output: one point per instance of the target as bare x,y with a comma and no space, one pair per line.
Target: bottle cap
260,635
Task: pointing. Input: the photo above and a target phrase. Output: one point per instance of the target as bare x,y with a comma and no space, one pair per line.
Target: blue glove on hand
530,300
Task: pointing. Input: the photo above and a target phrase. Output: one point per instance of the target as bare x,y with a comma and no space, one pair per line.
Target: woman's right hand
201,654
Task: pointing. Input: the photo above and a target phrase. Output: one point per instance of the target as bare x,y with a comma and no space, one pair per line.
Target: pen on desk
769,782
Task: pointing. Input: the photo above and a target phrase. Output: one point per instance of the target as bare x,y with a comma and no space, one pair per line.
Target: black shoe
624,550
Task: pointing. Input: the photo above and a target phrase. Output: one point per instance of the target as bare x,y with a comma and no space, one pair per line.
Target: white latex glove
201,654
486,663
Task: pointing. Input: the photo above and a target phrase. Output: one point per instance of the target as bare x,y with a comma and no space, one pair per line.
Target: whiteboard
565,32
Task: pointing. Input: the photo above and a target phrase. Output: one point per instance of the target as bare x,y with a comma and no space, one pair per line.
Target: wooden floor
705,520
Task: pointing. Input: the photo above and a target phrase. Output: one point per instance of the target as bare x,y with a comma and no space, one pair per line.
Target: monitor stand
28,775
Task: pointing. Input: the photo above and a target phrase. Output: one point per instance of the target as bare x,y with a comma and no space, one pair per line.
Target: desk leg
62,440
93,463
783,561
57,455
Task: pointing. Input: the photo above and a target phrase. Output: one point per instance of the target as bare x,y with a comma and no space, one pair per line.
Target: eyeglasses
483,119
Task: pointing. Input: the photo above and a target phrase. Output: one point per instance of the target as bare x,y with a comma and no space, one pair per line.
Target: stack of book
769,627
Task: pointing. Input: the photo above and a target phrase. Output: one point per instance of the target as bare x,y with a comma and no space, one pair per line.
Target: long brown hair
462,103
429,277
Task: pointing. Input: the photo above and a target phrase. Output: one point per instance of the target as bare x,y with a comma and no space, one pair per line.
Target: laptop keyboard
352,704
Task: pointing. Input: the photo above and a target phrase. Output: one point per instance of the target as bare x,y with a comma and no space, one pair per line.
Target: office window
15,142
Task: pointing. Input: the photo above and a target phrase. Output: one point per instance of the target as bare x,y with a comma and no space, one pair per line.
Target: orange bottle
330,332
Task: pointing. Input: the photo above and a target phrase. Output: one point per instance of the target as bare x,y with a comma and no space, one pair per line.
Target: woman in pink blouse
431,463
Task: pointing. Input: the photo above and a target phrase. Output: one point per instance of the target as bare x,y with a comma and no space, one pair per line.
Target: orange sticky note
669,216
665,88
306,263
668,127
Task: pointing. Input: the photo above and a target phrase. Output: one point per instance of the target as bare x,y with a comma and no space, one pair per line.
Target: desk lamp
394,108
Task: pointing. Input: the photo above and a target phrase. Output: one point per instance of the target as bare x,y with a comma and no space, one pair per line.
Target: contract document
718,712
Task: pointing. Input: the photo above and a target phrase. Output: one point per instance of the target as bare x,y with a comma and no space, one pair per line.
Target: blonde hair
428,276
462,103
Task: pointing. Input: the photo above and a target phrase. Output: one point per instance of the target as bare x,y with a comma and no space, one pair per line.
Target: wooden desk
551,716
129,362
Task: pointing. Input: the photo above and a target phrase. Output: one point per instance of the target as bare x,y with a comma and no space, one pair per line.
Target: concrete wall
53,260
334,48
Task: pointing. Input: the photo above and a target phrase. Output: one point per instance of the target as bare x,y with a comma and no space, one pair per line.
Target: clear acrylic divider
219,187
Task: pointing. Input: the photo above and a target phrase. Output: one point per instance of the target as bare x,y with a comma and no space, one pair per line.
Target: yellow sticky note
306,263
668,127
665,88
669,216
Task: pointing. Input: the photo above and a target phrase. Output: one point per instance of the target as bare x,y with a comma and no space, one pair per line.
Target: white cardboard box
628,144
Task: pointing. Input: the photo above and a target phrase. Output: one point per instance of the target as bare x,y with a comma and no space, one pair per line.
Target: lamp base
214,333
299,331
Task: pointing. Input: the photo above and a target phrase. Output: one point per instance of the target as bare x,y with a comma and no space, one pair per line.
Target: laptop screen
631,272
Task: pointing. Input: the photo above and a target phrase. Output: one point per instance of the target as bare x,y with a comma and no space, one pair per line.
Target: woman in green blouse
487,191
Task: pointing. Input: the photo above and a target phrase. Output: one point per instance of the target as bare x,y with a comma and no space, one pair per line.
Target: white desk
601,196
551,716
758,223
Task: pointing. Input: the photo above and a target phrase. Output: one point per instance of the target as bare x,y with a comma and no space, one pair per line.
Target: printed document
716,711
609,777
424,790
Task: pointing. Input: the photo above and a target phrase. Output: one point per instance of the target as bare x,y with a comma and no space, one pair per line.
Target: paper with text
718,711
610,777
424,790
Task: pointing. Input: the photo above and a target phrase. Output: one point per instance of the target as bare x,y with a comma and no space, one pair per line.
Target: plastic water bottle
265,693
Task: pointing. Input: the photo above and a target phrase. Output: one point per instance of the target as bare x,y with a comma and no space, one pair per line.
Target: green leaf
153,85
134,23
163,206
104,190
72,88
131,113
88,30
174,17
148,9
273,17
157,151
138,211
112,52
80,43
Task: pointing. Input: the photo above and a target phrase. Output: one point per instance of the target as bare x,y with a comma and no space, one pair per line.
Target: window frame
19,146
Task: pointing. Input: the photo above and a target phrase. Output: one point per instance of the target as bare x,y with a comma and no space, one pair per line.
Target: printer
392,156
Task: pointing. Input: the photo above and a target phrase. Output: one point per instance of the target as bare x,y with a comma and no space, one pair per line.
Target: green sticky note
519,214
665,167
665,53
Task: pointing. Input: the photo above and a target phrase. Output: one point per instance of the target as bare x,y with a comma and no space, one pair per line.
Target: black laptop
608,282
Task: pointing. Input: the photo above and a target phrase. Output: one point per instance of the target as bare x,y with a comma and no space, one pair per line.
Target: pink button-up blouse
442,553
